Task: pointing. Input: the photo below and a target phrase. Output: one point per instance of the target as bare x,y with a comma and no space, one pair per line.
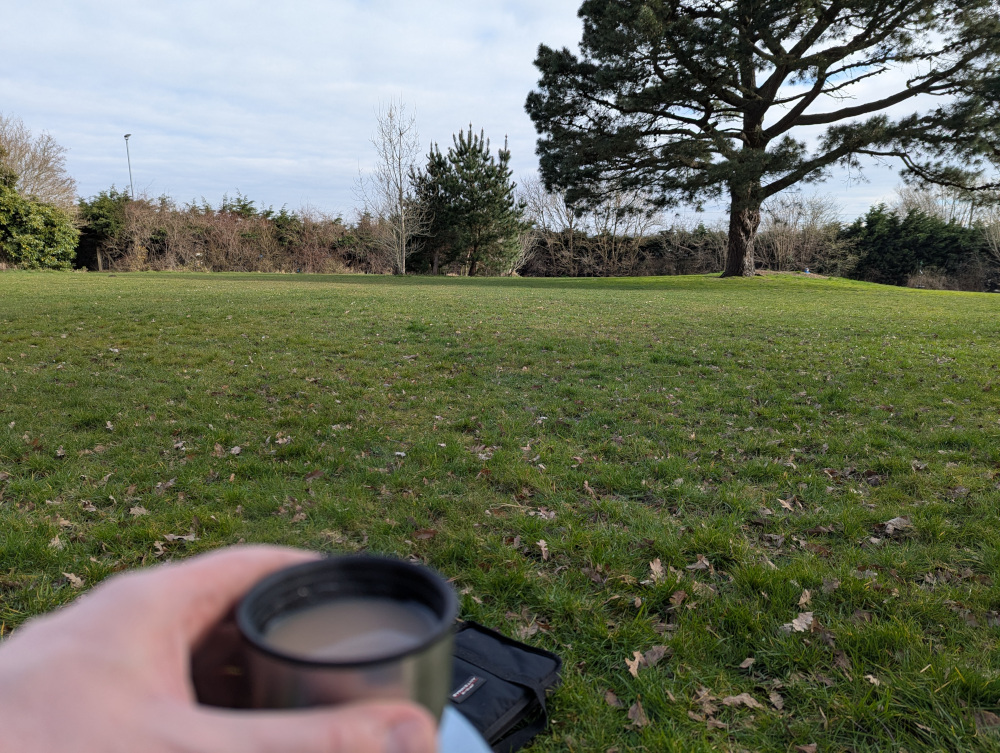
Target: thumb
352,728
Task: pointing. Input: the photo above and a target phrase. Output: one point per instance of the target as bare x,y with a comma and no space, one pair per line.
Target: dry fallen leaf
638,716
800,624
842,662
805,598
776,700
312,475
896,525
425,534
700,564
743,699
612,700
873,680
57,544
830,585
986,720
219,451
186,537
60,453
138,511
656,568
810,748
651,657
545,549
634,663
236,450
747,663
74,580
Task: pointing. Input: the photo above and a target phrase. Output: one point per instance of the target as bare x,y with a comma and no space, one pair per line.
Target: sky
279,101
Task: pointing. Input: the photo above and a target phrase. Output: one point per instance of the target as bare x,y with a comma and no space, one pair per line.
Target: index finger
190,597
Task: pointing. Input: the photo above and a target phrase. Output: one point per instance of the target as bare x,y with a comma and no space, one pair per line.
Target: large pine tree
696,99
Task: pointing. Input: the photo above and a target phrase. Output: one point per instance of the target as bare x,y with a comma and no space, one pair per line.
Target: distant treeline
923,241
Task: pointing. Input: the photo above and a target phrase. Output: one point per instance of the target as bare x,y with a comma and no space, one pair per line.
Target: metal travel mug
279,678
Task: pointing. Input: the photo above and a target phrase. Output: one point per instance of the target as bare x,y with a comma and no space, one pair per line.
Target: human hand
112,673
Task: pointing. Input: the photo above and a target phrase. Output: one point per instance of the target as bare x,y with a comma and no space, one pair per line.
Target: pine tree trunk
744,219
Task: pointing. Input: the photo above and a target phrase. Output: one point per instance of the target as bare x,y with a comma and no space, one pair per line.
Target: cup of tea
349,628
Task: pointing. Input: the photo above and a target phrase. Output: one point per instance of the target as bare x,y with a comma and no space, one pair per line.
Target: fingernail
406,737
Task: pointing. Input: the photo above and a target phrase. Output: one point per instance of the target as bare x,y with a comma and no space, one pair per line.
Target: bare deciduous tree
802,232
39,162
386,193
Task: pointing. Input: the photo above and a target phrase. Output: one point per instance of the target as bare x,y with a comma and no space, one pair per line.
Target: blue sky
278,101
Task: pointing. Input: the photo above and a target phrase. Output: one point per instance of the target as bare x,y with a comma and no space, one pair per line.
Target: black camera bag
500,684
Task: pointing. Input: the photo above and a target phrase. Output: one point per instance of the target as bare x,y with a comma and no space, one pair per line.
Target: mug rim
271,585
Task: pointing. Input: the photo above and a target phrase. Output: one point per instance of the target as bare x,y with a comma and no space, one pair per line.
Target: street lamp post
129,158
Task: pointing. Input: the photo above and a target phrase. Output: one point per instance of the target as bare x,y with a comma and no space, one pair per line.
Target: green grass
620,421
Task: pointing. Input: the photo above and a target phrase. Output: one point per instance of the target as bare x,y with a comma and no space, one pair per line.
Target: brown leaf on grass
655,654
425,534
60,453
700,564
873,680
747,663
637,716
589,490
695,717
656,569
138,511
805,598
312,475
178,537
219,451
544,547
986,720
830,585
817,549
842,661
526,631
57,544
917,465
810,748
74,580
743,699
897,525
776,700
800,624
612,700
678,597
634,663
715,724
162,487
4,476
703,697
236,450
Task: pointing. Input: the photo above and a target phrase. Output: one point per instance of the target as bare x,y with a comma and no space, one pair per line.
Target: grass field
783,493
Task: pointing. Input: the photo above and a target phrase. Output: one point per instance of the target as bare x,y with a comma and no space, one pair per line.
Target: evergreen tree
33,235
469,194
696,99
891,248
435,247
